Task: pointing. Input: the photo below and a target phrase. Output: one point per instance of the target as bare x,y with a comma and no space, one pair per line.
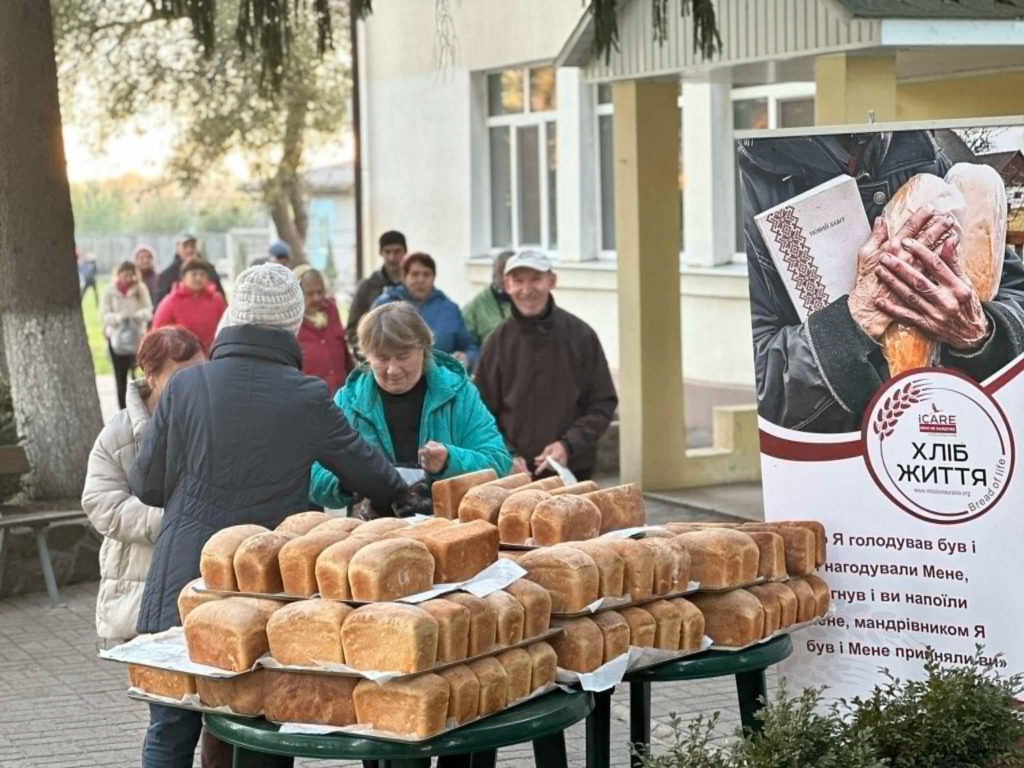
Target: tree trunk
51,375
284,195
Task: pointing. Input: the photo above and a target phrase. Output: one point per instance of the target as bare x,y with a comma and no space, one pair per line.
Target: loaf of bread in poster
447,494
976,196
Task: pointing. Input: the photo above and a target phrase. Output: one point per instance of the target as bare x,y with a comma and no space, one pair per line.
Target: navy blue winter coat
233,442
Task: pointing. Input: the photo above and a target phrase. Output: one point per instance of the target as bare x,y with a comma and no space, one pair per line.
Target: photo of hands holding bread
932,283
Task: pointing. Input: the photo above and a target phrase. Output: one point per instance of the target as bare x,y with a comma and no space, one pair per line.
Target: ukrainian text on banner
887,301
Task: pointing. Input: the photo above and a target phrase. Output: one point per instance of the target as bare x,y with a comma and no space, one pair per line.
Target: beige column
651,426
850,87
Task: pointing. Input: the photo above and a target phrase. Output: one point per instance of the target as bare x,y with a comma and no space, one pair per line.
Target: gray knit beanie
267,294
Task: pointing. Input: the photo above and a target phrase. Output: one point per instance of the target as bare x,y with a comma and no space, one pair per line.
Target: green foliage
955,717
94,332
691,747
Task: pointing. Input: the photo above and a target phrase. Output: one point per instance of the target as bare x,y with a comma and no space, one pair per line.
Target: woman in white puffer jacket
128,526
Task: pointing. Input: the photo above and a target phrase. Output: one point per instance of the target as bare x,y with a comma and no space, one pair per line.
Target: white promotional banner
891,402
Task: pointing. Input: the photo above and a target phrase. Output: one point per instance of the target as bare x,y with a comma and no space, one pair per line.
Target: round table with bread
542,721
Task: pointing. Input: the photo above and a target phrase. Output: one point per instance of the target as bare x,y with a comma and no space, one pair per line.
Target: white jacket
128,526
136,306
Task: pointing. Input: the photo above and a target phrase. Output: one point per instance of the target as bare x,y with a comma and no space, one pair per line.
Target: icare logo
938,446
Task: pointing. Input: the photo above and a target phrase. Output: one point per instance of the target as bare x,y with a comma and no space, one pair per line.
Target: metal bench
14,462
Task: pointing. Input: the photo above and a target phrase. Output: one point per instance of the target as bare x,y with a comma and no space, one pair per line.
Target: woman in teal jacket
415,404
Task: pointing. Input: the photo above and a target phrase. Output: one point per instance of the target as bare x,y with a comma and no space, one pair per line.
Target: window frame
606,109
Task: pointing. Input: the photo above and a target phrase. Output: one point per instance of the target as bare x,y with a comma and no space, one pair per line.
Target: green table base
748,666
541,721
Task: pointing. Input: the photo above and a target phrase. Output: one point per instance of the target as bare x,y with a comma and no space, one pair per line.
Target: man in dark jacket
544,376
819,375
392,250
233,442
186,249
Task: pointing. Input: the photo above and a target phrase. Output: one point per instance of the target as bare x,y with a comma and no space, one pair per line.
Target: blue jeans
171,737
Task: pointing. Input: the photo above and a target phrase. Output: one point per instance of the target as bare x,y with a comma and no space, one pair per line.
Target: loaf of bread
447,494
615,632
390,637
820,538
783,596
565,518
383,525
800,544
611,568
569,575
515,513
483,622
452,629
772,611
511,482
341,524
256,565
721,558
671,564
217,558
483,502
302,522
416,707
519,670
463,693
580,647
460,552
691,635
545,665
308,631
227,634
621,507
638,561
511,617
822,593
295,697
733,619
544,484
265,606
243,695
493,681
390,569
577,489
771,560
161,682
536,602
669,624
188,598
332,566
297,560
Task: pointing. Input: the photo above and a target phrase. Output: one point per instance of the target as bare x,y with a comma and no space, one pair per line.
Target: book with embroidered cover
813,239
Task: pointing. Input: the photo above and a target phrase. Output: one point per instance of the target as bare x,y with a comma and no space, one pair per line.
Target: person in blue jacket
414,404
441,314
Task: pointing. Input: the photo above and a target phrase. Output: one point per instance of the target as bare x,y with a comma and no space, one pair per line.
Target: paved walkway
61,706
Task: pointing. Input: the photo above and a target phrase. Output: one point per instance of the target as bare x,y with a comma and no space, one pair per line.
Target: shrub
691,747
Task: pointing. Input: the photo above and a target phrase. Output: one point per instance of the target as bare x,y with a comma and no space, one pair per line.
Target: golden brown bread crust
243,695
217,559
453,629
332,566
460,552
227,634
732,619
297,560
308,631
390,637
569,575
390,569
447,494
545,665
771,550
782,595
577,489
611,568
615,631
344,524
302,522
519,670
671,565
638,559
820,537
669,624
416,707
983,225
511,482
483,502
801,546
565,518
493,681
515,513
188,598
721,558
463,693
483,622
256,566
580,647
161,682
691,636
621,507
383,525
544,484
807,601
511,617
536,602
293,697
772,611
822,593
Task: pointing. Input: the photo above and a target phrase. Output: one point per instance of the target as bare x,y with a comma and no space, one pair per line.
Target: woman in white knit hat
233,442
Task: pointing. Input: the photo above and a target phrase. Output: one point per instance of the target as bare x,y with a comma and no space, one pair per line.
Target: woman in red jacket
193,303
325,353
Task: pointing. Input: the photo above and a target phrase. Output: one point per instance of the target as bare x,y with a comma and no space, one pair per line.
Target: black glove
413,500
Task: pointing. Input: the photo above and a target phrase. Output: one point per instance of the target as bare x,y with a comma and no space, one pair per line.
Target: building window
523,143
606,167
